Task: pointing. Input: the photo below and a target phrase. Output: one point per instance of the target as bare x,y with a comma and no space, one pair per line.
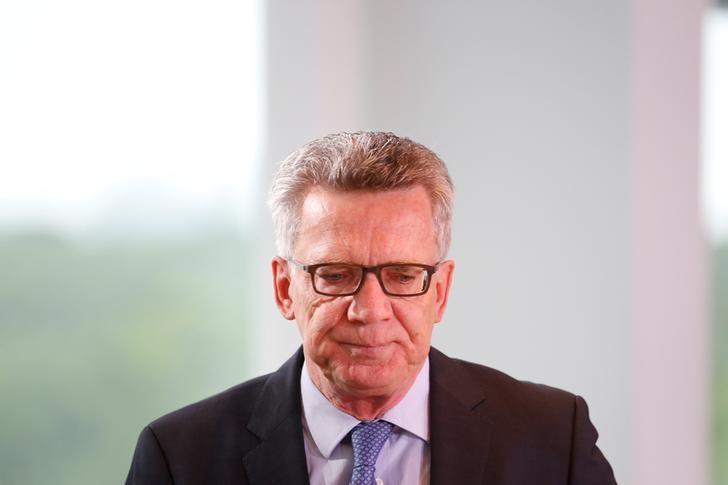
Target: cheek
318,317
417,320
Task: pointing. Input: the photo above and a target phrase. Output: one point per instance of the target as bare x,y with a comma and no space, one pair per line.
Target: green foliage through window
720,356
97,339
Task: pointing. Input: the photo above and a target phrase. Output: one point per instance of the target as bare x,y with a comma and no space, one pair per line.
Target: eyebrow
388,263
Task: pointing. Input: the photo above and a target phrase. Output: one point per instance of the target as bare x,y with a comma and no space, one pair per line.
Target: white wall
535,108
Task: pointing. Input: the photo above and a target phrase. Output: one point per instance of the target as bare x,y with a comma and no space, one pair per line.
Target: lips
368,351
366,345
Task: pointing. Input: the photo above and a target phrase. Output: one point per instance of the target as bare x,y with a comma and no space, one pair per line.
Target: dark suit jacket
485,428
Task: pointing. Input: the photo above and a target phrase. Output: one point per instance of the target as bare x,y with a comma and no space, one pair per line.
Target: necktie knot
367,440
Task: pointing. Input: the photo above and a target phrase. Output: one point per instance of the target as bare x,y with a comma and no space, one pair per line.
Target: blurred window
129,140
715,203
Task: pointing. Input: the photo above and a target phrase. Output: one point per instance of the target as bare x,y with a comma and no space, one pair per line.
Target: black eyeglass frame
377,270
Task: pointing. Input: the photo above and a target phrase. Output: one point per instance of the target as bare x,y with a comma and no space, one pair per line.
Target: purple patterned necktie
367,440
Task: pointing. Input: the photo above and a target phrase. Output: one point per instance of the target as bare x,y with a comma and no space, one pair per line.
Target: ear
282,287
442,282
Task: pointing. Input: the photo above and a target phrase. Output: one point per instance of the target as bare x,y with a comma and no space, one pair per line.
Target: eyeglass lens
338,279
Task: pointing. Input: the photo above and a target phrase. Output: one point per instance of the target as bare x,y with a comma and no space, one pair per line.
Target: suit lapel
280,457
459,427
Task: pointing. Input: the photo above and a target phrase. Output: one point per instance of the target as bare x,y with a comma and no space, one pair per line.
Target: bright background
137,140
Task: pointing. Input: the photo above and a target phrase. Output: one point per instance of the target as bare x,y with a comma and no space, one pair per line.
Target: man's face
368,344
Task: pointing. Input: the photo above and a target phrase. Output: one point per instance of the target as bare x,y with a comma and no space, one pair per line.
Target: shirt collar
328,425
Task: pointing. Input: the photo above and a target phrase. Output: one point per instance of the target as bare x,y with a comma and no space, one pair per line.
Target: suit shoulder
229,407
506,383
537,433
230,411
512,397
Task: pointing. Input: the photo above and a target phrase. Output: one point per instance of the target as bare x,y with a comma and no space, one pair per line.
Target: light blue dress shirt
405,457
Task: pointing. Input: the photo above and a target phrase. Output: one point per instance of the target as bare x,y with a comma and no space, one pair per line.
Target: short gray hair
358,161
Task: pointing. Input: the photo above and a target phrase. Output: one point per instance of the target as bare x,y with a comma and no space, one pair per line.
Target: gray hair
358,161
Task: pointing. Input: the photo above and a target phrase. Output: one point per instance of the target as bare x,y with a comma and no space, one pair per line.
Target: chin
368,379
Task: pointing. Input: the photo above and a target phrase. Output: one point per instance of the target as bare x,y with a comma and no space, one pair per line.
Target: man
363,229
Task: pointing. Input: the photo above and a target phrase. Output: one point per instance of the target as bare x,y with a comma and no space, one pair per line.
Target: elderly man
363,229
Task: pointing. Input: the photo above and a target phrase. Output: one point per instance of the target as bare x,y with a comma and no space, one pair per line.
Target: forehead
367,227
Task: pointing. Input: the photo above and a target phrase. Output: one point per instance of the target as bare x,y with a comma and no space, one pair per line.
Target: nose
370,304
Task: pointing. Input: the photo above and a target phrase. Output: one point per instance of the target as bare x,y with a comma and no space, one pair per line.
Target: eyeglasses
396,279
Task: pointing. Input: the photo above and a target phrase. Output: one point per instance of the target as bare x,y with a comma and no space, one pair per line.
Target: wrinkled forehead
367,224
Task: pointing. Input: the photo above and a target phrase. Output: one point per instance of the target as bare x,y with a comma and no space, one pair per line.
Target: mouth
368,351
